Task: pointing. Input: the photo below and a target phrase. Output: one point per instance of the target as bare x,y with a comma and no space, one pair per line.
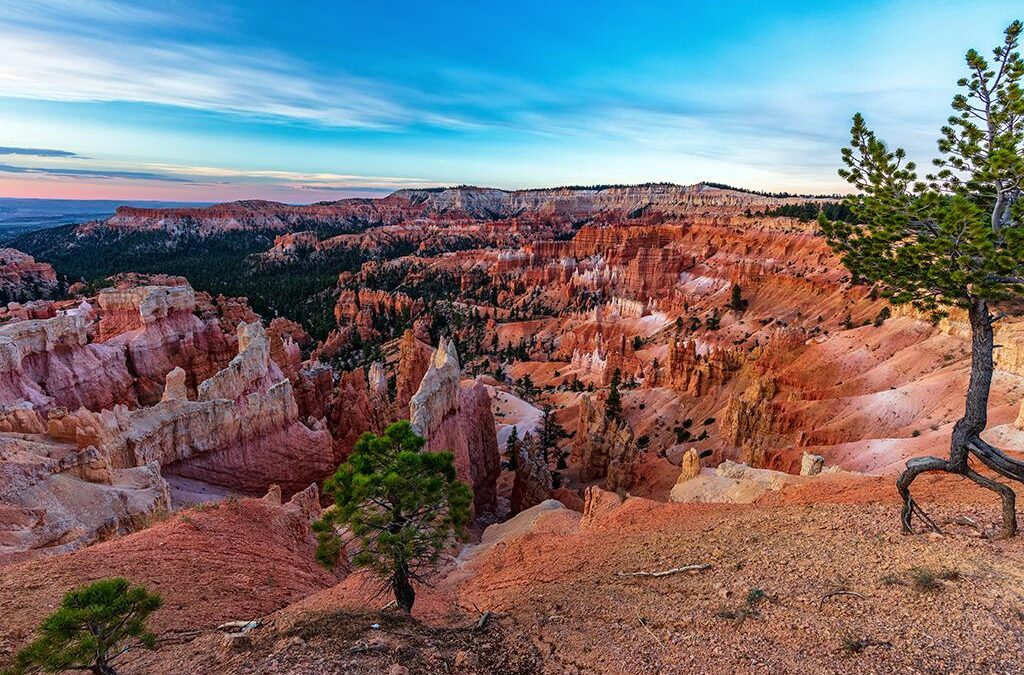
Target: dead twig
664,573
835,593
648,629
968,521
484,618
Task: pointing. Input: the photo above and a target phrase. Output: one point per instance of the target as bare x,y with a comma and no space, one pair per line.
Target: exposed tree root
991,457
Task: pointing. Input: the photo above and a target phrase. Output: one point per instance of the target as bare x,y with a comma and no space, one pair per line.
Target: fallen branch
240,626
371,647
835,593
178,637
664,573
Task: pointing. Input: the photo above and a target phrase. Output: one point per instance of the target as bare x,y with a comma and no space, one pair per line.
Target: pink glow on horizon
138,190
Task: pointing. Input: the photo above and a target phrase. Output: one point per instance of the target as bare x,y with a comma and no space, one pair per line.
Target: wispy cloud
304,179
36,152
39,65
90,173
209,175
754,93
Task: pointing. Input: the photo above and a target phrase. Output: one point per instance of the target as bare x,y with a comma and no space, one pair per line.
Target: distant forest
301,290
810,210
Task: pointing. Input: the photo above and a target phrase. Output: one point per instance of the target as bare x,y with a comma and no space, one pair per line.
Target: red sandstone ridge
454,205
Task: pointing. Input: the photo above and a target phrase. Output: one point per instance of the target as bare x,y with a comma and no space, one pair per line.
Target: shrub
93,626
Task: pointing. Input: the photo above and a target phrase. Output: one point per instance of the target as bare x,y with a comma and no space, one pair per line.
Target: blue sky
306,101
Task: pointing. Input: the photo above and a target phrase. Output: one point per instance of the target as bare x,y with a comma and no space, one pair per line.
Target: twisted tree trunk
966,439
405,594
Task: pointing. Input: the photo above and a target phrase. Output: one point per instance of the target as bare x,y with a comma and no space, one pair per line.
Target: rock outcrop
413,360
242,432
438,394
751,419
597,505
81,460
458,418
731,483
532,483
50,362
23,279
56,498
157,328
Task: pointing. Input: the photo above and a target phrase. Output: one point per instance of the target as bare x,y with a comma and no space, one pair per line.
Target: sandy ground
187,492
232,561
512,411
764,605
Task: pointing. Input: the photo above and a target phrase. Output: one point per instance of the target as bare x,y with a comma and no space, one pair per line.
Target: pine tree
549,434
398,505
92,627
512,449
955,240
736,301
613,404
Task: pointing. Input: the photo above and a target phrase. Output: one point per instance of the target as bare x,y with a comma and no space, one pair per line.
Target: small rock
464,659
811,465
285,644
236,642
398,669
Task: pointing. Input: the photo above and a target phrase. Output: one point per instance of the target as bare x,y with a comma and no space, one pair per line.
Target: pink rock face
413,361
532,483
256,438
360,408
458,419
469,433
49,363
70,478
292,457
55,499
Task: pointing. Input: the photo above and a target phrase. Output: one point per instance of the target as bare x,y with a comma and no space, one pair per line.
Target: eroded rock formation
50,362
83,460
458,418
604,448
532,484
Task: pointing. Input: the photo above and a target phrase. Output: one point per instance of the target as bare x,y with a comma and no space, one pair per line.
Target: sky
309,101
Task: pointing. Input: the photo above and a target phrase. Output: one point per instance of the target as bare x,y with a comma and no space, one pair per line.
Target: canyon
691,377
